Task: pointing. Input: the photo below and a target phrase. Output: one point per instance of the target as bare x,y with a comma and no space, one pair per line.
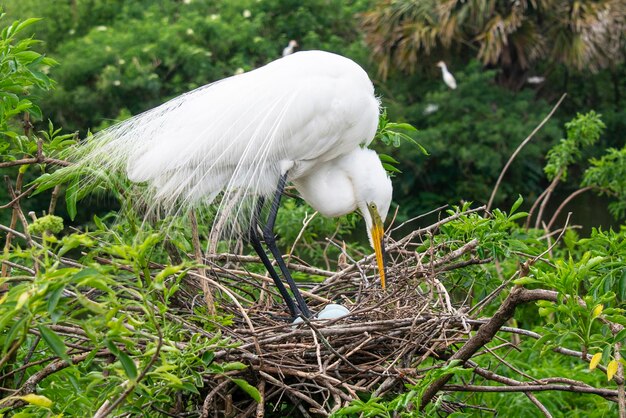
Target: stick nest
322,365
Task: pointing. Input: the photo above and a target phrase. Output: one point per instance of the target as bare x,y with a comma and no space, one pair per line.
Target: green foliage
392,134
607,175
21,69
582,132
571,322
131,56
48,224
22,73
408,403
120,316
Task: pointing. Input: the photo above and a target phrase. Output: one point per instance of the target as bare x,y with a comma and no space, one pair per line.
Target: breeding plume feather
304,118
241,133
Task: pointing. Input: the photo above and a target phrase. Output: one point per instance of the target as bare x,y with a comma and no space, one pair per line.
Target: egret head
373,192
441,64
293,43
356,180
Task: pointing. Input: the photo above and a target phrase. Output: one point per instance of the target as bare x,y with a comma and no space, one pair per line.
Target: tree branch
519,148
609,394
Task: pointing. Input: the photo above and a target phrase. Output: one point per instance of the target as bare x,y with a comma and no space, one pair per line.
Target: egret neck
377,232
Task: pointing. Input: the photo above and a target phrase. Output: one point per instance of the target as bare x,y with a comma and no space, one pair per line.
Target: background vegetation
89,63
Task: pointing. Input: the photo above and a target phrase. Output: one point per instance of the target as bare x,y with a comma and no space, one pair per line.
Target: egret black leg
255,241
270,241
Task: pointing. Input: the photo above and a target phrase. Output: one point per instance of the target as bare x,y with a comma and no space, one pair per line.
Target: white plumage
305,118
448,78
309,114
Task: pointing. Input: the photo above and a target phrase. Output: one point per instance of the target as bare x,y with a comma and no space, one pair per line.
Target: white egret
305,118
535,80
289,49
448,78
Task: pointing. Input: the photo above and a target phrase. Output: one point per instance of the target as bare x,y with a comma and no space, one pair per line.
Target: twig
396,245
564,203
208,400
260,406
609,394
621,394
519,148
255,259
19,266
439,209
534,207
19,196
268,377
546,198
7,244
305,223
32,382
110,407
538,404
487,331
53,199
195,238
42,160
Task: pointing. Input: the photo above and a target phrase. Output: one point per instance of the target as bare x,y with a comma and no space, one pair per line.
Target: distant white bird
535,80
430,109
304,118
448,78
288,50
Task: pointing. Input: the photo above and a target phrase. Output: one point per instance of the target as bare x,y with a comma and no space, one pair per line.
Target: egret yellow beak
377,233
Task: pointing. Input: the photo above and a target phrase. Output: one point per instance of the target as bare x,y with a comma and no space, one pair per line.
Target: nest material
322,365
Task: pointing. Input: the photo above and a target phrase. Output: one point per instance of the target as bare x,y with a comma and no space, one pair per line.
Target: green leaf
525,280
189,387
54,298
128,364
621,336
71,196
167,271
248,388
405,126
518,215
236,365
517,204
390,168
207,357
388,159
35,112
26,23
54,342
27,56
